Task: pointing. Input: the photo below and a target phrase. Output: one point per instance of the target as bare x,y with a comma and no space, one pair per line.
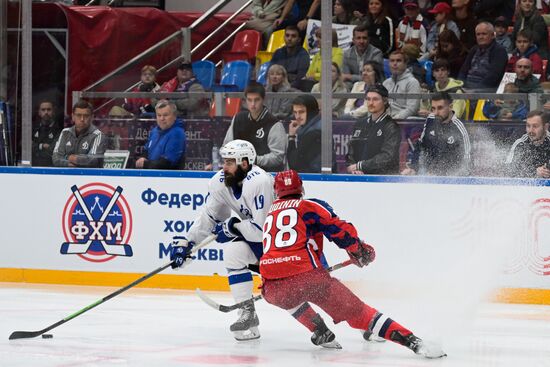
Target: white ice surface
174,328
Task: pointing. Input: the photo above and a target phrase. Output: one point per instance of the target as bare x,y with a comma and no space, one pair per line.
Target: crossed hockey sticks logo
82,248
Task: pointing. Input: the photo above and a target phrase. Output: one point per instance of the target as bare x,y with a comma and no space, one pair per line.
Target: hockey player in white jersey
247,190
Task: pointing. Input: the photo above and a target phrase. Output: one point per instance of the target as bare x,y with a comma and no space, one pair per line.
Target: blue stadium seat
262,73
427,65
205,72
235,77
387,71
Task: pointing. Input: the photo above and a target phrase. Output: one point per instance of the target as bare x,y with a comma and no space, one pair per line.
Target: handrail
215,49
207,38
203,18
147,52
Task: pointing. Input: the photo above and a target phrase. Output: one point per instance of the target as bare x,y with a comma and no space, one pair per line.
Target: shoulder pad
325,205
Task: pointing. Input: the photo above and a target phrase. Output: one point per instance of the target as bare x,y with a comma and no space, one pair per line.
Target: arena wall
490,236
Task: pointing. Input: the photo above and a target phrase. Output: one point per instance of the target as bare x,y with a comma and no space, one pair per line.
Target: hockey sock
388,329
305,315
240,282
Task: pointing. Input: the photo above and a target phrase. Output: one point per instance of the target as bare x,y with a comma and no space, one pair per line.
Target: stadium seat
205,72
262,73
427,65
245,47
387,72
478,113
264,56
232,107
235,77
276,40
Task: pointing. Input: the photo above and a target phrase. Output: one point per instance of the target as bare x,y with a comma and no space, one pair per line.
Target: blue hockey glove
181,251
226,231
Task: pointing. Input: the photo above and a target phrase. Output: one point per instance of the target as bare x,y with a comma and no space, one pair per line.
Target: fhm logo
97,223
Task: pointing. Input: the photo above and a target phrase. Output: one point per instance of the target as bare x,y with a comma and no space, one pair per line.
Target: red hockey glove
361,254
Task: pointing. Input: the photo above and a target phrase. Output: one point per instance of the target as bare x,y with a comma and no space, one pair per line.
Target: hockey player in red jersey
293,272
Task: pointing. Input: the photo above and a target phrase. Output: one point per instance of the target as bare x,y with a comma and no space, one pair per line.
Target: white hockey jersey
251,205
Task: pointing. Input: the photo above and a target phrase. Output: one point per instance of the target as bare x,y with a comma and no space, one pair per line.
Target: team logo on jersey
260,133
379,133
451,140
85,145
68,144
432,133
97,223
356,133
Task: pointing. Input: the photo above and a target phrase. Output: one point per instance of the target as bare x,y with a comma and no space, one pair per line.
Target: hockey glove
226,231
181,251
361,254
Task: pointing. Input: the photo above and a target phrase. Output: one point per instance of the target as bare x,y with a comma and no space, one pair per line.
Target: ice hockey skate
417,345
370,337
322,336
246,327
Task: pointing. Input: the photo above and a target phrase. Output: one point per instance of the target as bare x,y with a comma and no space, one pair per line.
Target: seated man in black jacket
374,144
530,154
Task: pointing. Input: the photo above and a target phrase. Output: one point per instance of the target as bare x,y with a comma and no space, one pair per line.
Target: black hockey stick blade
33,334
223,308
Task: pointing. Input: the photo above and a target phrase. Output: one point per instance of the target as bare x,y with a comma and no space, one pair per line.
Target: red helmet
288,183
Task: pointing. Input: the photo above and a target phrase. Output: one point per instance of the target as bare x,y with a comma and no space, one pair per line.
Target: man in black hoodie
374,144
304,136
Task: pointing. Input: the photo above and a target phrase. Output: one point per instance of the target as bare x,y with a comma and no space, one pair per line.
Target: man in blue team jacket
166,145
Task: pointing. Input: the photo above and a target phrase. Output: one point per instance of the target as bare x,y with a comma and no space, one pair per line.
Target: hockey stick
209,301
82,248
32,334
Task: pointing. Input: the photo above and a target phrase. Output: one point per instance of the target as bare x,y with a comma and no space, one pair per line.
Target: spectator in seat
81,145
141,106
489,10
444,146
338,86
343,13
307,9
190,106
466,21
525,49
264,13
444,83
374,144
44,135
402,81
304,136
529,18
277,82
451,49
412,28
486,62
259,127
502,37
530,154
442,22
357,55
380,26
356,107
165,148
508,109
292,56
314,71
525,80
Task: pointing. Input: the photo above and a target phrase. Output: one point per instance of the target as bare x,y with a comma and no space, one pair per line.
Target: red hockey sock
305,315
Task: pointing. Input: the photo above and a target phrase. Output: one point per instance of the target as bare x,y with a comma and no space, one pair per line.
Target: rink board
449,233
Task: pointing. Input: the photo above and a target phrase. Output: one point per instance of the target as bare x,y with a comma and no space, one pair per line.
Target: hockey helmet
288,183
239,149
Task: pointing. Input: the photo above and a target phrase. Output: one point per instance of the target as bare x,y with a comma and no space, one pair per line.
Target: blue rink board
98,172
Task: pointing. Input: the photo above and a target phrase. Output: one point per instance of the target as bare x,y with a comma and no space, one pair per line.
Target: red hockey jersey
293,236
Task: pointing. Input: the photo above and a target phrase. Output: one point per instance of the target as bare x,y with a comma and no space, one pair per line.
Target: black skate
322,335
246,327
370,337
417,345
